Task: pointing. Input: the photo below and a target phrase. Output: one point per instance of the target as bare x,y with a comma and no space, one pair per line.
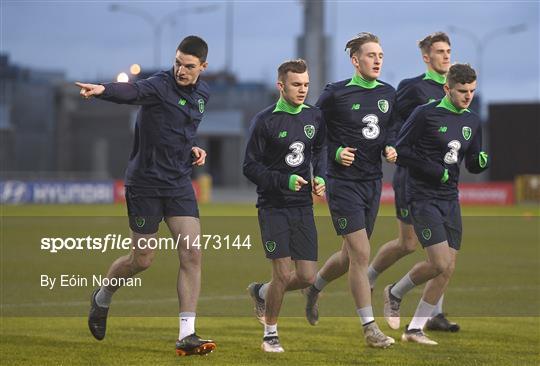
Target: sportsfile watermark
121,242
52,264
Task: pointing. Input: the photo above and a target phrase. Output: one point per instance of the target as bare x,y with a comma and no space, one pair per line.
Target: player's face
461,95
368,60
294,88
438,58
187,68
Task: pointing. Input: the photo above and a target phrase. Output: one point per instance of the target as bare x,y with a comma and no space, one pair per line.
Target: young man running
158,181
432,144
360,116
286,143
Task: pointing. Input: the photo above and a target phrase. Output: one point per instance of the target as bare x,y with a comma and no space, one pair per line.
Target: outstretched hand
90,90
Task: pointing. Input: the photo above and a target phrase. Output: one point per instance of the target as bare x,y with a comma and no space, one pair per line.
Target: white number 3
451,157
296,157
372,130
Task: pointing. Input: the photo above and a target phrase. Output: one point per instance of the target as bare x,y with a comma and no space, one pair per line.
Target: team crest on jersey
139,221
467,132
309,130
201,105
383,105
404,212
270,246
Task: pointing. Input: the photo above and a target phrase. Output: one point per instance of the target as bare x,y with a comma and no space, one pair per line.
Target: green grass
495,295
150,341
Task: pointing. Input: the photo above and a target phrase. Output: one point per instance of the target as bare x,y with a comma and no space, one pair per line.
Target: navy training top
160,163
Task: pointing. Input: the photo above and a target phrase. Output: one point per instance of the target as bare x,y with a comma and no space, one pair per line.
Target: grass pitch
494,295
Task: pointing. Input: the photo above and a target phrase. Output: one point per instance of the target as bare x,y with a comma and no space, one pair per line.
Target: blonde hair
355,43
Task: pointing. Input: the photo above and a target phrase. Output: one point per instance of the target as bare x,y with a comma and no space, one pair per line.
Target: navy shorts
436,221
288,232
400,201
353,204
146,212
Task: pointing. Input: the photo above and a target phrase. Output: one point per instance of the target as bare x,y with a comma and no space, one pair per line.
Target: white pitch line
244,297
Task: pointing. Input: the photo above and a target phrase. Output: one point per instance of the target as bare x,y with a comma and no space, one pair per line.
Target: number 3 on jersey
372,130
296,157
451,157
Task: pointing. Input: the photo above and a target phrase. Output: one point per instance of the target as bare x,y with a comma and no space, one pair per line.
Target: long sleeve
324,103
395,124
143,92
254,168
406,101
476,160
319,157
407,155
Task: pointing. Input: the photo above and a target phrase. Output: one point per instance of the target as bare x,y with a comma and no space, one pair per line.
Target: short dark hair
297,66
194,46
426,43
355,43
460,74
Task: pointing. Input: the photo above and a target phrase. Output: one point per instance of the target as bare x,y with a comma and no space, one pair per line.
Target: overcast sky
88,41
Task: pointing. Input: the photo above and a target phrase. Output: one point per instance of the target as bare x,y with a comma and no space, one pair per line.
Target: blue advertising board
19,192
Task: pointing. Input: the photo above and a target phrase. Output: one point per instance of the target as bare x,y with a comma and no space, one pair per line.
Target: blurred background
58,148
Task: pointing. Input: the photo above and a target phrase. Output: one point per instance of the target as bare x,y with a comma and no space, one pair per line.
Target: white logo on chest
372,130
